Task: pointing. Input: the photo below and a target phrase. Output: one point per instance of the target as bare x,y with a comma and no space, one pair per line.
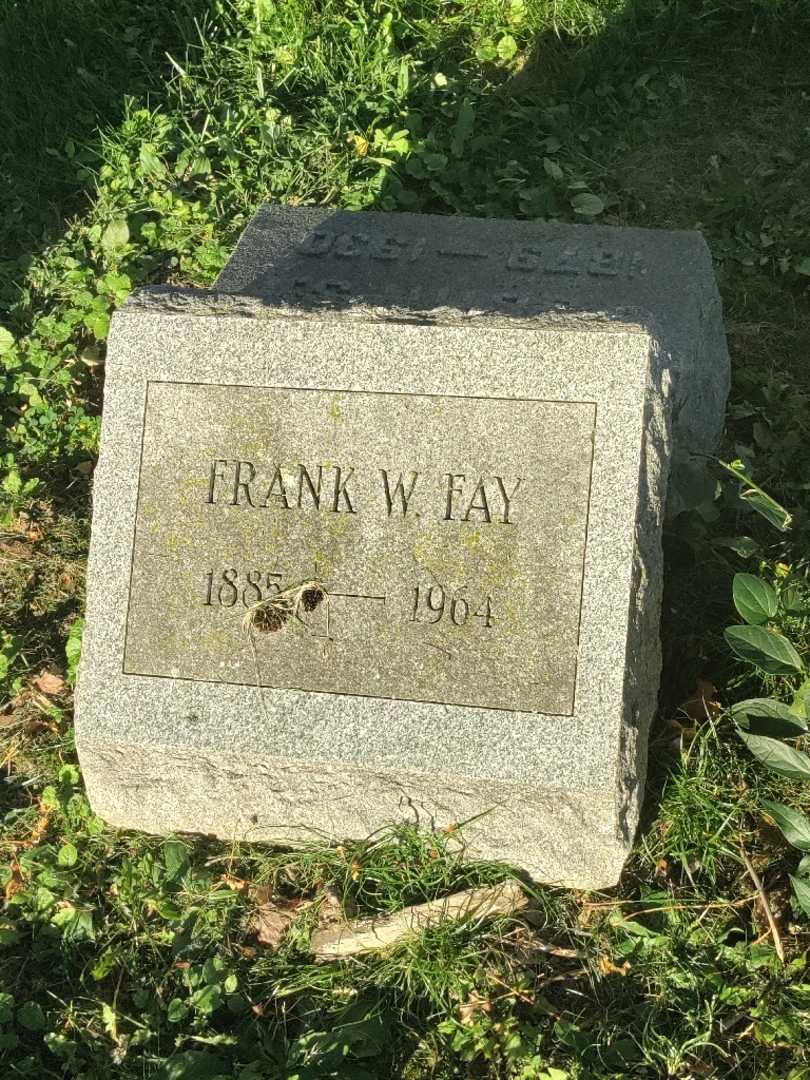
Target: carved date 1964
429,603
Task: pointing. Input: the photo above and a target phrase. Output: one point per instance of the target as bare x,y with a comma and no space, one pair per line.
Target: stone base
568,838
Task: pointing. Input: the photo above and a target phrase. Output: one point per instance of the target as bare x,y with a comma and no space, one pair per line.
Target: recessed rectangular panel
403,546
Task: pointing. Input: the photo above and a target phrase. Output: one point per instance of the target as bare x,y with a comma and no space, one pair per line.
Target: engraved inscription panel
400,546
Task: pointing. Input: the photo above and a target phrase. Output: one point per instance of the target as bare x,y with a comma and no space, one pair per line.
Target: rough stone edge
185,787
643,668
209,303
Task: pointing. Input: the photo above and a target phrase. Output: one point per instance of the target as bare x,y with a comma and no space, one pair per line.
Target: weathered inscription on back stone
450,554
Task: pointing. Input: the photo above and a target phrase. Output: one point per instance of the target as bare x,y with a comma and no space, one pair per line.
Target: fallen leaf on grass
330,910
702,702
47,682
272,918
607,967
236,883
359,143
67,583
28,527
15,883
271,923
40,826
469,1009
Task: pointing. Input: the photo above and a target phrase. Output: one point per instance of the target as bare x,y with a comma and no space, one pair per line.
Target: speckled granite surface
487,642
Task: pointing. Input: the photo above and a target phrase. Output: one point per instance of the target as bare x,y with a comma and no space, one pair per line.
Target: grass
137,141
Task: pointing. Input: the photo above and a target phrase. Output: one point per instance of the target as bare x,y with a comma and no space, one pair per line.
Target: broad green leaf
463,127
31,1016
109,1018
754,598
12,483
68,855
587,204
801,891
766,648
6,1007
743,546
758,499
6,340
175,859
208,999
507,47
192,1065
69,775
553,169
167,909
106,963
794,599
73,649
764,716
75,923
778,756
213,969
150,162
98,323
115,235
794,825
177,1011
403,77
801,700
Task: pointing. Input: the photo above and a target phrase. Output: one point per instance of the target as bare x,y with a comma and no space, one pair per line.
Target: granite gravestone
376,533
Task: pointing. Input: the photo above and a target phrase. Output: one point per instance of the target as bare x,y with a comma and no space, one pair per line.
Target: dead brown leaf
15,883
272,916
271,923
330,910
236,883
702,703
41,825
48,682
607,967
587,914
261,894
475,1004
67,583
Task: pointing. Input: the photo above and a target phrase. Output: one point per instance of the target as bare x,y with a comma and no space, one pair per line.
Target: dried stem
763,899
271,615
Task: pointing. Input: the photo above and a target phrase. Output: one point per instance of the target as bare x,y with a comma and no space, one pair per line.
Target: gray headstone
376,533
